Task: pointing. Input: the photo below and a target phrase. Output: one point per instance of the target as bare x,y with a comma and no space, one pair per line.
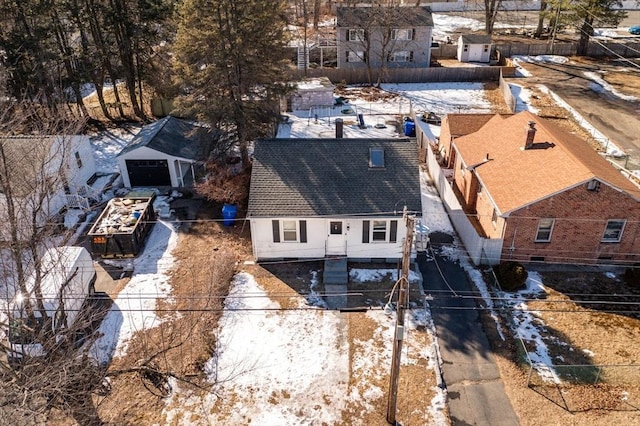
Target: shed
167,152
310,92
474,48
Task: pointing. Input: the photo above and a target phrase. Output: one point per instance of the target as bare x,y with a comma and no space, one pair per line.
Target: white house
312,198
45,174
474,48
168,152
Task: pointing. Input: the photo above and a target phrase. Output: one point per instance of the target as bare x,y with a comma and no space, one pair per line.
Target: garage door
148,172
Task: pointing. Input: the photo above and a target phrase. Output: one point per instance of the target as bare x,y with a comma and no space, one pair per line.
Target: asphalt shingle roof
317,177
476,39
516,177
175,137
401,16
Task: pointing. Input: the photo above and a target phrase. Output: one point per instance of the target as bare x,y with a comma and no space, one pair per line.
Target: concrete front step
335,271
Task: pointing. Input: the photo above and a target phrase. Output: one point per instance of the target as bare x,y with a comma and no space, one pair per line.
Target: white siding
145,153
78,176
317,231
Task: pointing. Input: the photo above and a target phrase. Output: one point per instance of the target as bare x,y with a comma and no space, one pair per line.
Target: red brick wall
445,140
580,219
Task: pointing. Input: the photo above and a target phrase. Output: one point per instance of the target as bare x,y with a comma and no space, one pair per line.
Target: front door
336,238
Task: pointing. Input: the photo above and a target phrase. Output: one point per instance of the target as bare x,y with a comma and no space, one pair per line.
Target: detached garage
166,153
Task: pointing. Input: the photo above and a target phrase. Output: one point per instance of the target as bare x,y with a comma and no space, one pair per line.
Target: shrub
632,276
511,275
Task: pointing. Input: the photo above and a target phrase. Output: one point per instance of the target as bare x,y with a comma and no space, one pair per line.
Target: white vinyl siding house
67,164
312,238
312,198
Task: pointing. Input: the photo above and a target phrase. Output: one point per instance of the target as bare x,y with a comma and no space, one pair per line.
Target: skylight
376,157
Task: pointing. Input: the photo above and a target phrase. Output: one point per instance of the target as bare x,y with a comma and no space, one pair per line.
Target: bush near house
511,275
632,277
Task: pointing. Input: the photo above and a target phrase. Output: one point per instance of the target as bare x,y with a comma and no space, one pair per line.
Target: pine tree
231,62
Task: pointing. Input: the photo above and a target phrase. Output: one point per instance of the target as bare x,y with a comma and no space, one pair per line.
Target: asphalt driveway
475,390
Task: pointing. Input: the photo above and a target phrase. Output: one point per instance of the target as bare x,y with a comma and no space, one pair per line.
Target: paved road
475,390
614,117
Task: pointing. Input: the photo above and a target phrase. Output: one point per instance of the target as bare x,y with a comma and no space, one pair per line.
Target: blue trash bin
229,212
409,128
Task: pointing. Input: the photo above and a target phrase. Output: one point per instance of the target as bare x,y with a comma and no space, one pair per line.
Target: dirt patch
594,351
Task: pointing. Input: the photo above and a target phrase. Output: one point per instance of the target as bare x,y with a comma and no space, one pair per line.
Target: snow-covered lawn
274,366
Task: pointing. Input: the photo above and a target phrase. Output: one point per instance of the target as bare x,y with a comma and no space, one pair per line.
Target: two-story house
376,36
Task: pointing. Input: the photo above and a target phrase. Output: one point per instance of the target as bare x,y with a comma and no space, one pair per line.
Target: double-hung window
355,56
356,34
613,231
379,231
402,34
289,231
401,56
545,227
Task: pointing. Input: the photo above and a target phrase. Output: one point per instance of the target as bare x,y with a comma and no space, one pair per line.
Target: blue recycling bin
229,212
409,128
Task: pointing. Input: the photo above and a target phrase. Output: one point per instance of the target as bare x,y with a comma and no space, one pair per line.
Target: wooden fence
405,75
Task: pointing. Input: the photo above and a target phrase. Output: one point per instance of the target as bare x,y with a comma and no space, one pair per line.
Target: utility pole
403,299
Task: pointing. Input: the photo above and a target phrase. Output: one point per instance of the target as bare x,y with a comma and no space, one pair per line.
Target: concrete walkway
335,278
475,390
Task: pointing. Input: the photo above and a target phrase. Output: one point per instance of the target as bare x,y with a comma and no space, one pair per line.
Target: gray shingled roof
476,39
314,177
401,16
175,137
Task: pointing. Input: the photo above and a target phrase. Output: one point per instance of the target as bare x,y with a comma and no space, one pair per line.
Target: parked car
634,29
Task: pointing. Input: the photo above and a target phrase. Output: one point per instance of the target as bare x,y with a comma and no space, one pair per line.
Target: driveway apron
476,394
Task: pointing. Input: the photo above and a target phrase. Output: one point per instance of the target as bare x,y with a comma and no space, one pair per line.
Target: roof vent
531,133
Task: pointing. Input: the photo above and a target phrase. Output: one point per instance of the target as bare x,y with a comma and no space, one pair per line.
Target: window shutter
413,34
365,231
393,232
275,225
303,231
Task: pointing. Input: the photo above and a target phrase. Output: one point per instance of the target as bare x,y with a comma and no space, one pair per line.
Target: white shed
310,92
166,153
474,48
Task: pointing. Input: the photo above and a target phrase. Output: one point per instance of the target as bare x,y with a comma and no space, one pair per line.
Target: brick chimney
531,133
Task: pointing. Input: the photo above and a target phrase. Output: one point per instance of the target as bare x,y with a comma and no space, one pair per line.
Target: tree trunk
540,27
586,31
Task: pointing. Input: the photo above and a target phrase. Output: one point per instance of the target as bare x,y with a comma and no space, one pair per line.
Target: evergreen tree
231,59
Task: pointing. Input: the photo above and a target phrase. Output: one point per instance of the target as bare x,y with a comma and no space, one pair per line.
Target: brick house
379,36
544,192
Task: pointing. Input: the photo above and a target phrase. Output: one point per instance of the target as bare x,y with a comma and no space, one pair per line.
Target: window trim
405,55
606,239
540,229
283,231
358,34
356,56
408,32
378,231
78,159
